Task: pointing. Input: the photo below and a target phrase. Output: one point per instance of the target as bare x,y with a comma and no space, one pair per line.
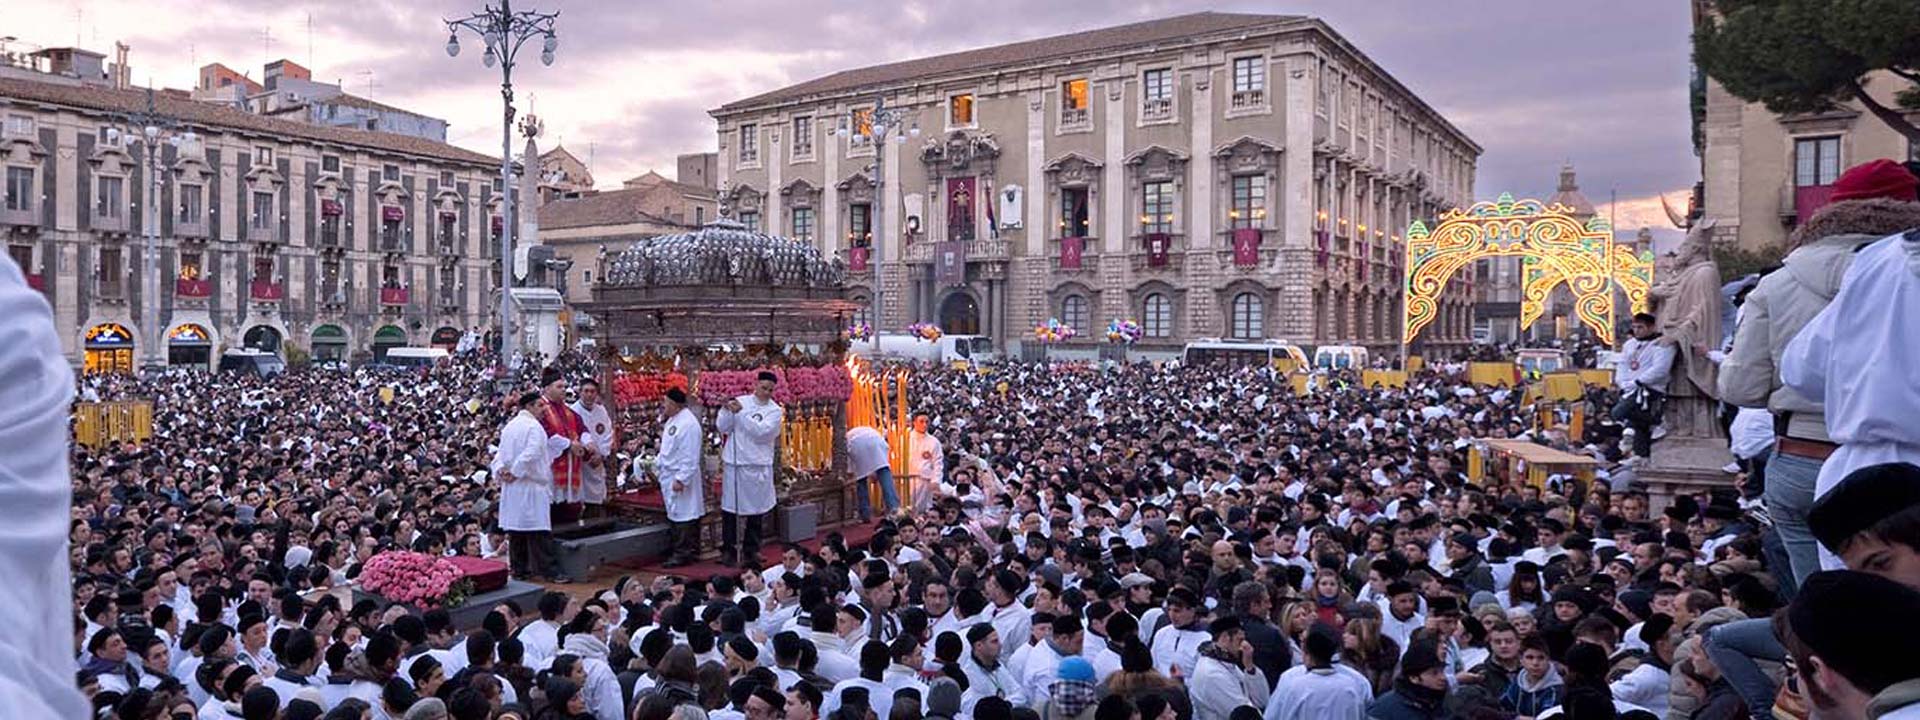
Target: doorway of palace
264,338
329,343
960,315
109,349
189,344
387,338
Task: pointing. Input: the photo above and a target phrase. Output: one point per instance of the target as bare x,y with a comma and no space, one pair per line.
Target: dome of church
724,252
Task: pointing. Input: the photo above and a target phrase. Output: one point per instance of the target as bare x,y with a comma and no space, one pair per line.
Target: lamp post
504,31
151,127
882,122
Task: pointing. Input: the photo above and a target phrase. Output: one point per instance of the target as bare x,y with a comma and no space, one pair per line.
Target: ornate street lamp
504,32
882,121
151,127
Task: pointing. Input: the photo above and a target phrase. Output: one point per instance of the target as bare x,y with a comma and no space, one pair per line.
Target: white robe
679,462
1337,693
527,452
749,455
599,440
36,394
866,451
1858,358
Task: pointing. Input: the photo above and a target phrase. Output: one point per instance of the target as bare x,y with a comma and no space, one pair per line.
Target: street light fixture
152,127
882,122
504,31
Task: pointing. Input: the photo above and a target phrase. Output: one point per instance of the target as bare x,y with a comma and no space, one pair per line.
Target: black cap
1656,628
1863,499
678,396
768,376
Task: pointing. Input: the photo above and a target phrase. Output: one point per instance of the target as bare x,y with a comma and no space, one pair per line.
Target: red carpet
649,500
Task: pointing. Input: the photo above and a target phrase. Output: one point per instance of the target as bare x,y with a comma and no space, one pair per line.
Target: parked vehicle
252,362
415,357
1206,351
1340,357
976,349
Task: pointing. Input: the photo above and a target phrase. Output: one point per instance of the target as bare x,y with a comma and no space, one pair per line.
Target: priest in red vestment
561,421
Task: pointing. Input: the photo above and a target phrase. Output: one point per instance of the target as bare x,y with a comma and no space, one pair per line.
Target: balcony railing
390,243
333,296
266,291
193,287
1075,118
394,296
1156,109
977,251
1249,99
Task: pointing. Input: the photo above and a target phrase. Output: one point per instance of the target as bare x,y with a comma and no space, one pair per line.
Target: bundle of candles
880,401
806,443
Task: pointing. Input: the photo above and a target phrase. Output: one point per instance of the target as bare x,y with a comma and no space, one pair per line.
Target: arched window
1073,312
1249,317
1156,316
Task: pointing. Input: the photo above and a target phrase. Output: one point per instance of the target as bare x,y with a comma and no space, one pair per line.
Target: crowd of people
1090,542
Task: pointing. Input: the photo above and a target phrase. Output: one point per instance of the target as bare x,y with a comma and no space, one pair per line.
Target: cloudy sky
1536,84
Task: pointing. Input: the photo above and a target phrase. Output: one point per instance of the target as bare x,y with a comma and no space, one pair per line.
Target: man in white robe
1858,356
681,487
867,456
36,395
599,441
524,467
926,464
752,426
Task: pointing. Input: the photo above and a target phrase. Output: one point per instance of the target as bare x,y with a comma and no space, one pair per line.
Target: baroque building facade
1208,175
271,233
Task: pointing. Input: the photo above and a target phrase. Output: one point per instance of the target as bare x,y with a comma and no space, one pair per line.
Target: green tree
1736,262
1805,56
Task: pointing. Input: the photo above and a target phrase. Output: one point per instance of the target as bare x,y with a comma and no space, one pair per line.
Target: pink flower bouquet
416,579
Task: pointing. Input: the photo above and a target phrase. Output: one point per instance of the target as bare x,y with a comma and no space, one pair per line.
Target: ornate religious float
705,311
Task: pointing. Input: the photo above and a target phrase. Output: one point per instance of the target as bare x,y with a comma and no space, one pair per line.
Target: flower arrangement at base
925,331
416,579
804,385
860,331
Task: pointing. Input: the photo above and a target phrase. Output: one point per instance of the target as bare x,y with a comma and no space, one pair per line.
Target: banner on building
1158,245
857,258
1071,249
961,201
1320,242
950,262
1246,247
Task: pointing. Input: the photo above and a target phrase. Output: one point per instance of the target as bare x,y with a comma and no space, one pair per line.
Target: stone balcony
921,253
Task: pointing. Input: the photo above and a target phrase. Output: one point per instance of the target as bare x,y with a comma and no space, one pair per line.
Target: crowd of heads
1114,507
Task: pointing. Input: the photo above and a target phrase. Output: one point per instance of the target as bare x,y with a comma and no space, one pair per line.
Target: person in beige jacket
1871,201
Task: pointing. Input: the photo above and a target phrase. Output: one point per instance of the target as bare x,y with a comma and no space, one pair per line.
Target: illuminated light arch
1632,272
1578,254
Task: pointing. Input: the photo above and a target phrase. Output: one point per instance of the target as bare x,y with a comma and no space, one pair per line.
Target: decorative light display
1632,272
1580,256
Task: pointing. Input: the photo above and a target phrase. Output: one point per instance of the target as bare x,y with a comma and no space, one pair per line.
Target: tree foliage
1736,262
1805,56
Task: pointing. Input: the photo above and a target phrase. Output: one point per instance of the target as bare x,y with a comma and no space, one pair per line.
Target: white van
1340,357
977,349
1207,351
415,357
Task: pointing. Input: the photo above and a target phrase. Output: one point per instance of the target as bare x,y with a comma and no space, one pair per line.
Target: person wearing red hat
1870,201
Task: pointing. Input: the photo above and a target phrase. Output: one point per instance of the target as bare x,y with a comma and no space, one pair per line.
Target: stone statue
1686,299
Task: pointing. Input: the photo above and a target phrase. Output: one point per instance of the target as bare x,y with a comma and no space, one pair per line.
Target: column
827,218
1031,272
1202,264
1293,197
774,213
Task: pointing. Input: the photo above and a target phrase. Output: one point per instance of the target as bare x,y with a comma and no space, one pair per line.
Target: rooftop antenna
371,85
266,45
309,40
79,22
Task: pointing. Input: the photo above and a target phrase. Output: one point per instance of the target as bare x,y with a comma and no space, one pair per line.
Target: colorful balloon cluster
925,331
640,387
860,331
1124,331
830,384
1054,331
